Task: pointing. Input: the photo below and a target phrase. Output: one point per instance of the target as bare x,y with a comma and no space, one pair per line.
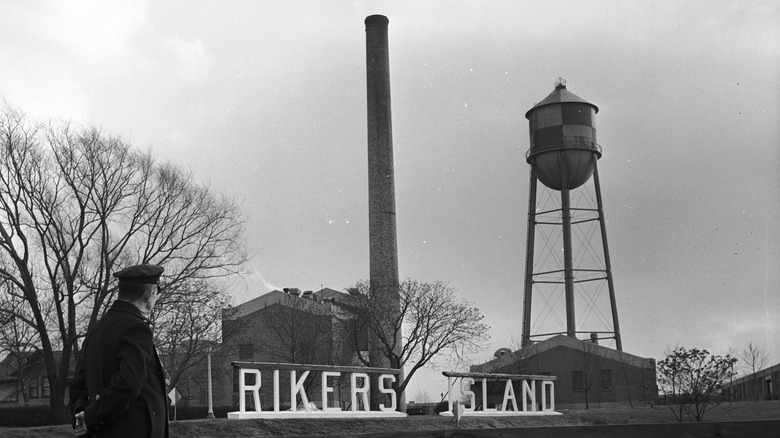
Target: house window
606,379
11,396
578,381
34,387
45,388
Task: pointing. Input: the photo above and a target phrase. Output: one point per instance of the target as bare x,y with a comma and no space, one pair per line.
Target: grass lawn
223,428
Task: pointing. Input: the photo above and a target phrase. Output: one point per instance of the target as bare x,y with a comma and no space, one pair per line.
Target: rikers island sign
350,387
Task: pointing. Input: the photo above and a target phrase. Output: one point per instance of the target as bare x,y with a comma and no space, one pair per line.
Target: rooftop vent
501,352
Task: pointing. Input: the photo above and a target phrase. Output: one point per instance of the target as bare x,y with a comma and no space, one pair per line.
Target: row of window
758,387
605,380
37,387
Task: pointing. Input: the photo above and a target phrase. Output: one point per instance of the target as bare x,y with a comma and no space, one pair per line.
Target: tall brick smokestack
383,251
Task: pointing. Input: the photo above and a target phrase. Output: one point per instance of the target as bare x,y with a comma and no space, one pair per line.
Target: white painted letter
544,396
509,394
296,387
363,390
529,390
276,390
449,393
484,397
326,389
389,391
467,382
243,387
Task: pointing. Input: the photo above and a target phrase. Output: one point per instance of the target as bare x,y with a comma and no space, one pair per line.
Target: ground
223,428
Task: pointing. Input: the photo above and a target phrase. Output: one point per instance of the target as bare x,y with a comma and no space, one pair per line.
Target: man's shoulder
119,318
122,310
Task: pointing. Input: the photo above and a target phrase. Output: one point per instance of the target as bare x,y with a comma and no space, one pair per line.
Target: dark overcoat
119,381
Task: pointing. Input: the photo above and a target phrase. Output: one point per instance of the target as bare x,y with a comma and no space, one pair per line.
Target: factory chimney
383,252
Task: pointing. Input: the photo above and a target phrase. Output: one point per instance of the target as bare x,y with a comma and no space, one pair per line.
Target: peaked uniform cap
148,274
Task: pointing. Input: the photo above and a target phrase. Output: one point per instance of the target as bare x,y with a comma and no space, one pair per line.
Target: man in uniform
119,386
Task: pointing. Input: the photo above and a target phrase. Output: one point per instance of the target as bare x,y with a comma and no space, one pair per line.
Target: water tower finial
560,83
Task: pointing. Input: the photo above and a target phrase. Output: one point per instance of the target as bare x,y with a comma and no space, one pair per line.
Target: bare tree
731,352
300,331
692,381
422,396
19,341
75,206
184,333
297,334
518,362
628,376
588,364
754,357
431,320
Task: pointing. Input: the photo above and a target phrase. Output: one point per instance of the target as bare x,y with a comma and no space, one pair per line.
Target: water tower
567,254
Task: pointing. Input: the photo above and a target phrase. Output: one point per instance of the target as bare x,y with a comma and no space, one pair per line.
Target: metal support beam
607,263
529,261
568,264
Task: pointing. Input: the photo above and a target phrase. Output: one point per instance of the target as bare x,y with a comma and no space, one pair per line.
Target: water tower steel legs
568,273
568,261
529,261
607,263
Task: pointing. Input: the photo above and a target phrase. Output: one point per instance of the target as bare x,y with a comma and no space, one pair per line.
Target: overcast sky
265,101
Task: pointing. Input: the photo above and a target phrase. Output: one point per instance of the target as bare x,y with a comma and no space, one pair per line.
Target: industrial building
761,385
281,326
589,375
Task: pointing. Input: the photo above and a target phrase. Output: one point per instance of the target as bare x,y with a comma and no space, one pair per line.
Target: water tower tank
563,122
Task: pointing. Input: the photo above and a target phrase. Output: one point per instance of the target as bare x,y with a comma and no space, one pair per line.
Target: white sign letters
509,402
300,406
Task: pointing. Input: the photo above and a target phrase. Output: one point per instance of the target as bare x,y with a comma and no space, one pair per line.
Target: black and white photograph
389,218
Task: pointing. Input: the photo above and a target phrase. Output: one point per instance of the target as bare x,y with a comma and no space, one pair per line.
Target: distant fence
25,416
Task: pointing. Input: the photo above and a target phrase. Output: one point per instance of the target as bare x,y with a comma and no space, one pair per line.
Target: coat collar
124,306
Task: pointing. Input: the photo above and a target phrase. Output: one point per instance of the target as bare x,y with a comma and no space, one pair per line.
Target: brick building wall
761,385
587,374
278,327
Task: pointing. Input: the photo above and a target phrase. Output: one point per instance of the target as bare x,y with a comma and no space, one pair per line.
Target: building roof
762,373
560,95
565,342
328,293
314,302
9,368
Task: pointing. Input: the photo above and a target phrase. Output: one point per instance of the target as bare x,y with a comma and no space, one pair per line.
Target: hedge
25,416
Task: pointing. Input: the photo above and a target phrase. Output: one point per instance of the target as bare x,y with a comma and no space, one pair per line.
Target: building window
12,396
246,352
578,380
34,387
45,388
606,379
